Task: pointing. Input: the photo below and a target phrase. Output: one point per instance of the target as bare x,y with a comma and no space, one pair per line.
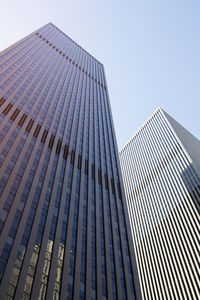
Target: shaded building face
63,218
160,167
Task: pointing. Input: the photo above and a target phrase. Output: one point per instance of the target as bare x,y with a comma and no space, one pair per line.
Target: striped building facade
63,217
161,174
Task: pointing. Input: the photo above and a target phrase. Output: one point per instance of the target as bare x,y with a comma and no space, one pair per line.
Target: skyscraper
63,217
161,174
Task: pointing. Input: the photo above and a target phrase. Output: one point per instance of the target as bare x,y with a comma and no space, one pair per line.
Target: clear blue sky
150,50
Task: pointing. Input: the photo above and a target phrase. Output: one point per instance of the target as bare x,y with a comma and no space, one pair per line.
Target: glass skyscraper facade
161,174
63,217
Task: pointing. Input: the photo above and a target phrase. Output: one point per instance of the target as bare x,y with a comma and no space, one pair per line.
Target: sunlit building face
161,174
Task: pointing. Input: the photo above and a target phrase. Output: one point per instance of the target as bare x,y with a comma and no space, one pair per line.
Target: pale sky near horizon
150,50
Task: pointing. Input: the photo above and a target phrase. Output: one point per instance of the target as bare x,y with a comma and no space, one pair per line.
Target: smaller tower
161,174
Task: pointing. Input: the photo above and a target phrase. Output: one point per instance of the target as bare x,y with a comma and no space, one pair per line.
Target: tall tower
161,173
63,218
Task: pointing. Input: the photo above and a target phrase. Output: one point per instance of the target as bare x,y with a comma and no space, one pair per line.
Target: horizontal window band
70,60
79,161
113,186
58,147
2,101
37,130
65,153
51,142
22,120
7,109
30,125
15,114
86,166
106,181
72,157
99,177
44,136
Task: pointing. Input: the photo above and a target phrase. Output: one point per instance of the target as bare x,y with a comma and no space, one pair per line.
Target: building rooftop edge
50,23
140,128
